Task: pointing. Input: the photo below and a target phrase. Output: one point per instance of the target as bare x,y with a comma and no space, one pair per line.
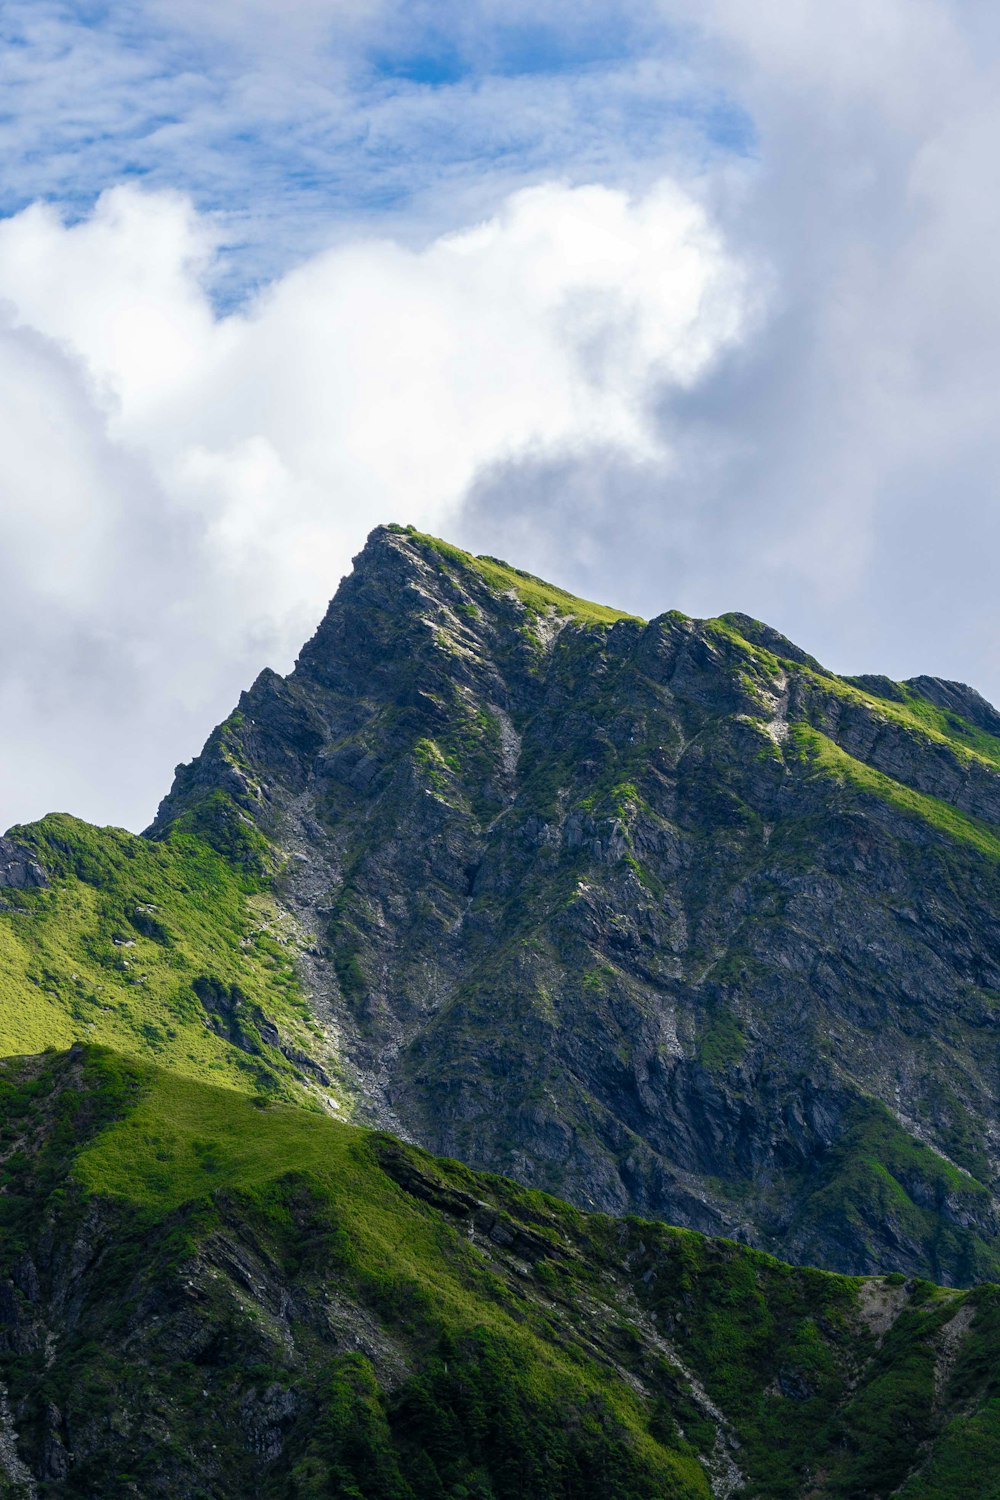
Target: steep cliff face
661,916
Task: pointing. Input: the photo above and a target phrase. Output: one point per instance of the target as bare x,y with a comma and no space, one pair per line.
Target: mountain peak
772,640
663,918
429,556
646,915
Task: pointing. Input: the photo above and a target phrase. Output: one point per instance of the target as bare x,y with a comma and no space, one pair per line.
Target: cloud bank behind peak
683,306
185,488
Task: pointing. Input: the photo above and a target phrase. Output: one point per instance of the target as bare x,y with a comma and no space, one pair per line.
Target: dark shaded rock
19,870
589,903
958,699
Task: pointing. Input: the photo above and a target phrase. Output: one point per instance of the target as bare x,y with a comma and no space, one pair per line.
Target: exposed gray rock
584,907
19,870
959,699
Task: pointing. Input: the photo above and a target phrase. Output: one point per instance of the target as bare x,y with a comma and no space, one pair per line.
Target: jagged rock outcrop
19,871
661,917
958,699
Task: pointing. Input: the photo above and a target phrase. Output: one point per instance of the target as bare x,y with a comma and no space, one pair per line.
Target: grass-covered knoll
829,759
165,950
274,1302
183,1139
534,593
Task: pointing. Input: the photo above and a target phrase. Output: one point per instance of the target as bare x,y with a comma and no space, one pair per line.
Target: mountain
205,1294
661,917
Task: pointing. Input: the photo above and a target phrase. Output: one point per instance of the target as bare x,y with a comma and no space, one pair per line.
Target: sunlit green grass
830,760
108,952
183,1140
537,595
522,1347
969,744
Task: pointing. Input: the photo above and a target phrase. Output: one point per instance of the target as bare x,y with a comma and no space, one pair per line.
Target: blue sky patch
294,135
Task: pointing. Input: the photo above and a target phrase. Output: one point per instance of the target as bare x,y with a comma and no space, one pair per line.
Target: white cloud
293,123
785,404
185,489
837,472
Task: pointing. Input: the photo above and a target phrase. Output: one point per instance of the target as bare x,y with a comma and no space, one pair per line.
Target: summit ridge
660,916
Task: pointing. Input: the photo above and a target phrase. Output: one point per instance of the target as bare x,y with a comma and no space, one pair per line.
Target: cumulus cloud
837,473
185,489
664,372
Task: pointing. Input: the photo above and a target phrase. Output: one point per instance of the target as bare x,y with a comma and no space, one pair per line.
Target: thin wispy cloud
294,125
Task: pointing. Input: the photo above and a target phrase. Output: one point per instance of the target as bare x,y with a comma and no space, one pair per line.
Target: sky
680,305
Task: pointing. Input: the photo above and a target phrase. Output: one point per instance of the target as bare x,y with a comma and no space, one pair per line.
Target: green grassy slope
534,593
428,1331
906,709
829,759
164,950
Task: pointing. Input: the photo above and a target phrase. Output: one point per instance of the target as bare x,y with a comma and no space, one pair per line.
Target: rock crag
662,917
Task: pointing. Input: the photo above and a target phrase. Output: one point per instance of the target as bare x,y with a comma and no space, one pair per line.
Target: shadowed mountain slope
204,1297
660,916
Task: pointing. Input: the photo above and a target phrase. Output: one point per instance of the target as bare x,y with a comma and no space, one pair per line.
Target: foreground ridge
203,1296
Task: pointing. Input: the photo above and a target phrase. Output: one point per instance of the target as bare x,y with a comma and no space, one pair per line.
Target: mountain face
205,1296
661,917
